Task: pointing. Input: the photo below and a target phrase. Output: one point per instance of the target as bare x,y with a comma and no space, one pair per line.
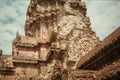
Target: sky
104,16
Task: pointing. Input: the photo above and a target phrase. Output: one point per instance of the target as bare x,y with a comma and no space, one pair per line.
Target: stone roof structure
27,41
110,72
7,70
102,53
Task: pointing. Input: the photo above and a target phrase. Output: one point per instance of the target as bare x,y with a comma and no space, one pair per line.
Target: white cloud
104,15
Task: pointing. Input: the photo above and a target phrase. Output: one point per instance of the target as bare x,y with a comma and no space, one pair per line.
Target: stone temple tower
57,35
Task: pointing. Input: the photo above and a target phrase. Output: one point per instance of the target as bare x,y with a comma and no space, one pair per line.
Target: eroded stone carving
57,35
